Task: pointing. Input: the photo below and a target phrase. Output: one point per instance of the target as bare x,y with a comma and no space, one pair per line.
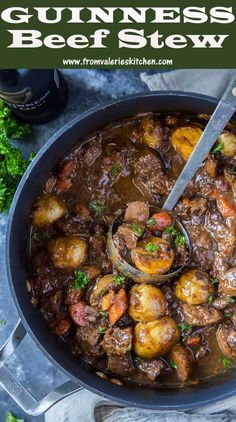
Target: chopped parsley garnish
185,329
230,299
3,322
173,364
12,163
97,207
136,229
219,146
101,330
210,298
213,280
228,364
104,315
11,418
151,221
150,247
179,238
40,236
129,348
118,280
115,170
233,169
80,280
228,315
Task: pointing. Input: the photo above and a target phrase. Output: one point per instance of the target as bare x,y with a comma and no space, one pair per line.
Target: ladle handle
221,116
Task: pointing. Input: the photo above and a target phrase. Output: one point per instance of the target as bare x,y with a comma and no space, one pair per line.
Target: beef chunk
137,211
151,367
51,304
228,284
226,337
200,315
91,151
182,360
210,166
61,326
97,252
89,340
118,341
149,174
73,295
82,213
125,238
120,365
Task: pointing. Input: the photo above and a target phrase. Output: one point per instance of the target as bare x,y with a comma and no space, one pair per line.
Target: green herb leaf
233,169
119,279
213,280
80,280
210,298
12,163
40,236
136,229
173,364
129,348
185,329
171,230
97,207
228,315
104,315
150,247
3,322
101,330
180,240
115,170
219,147
151,221
230,299
228,364
11,418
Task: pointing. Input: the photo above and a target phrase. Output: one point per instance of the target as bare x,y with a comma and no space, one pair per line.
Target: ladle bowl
132,272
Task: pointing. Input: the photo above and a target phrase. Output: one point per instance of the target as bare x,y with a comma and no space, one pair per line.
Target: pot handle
17,391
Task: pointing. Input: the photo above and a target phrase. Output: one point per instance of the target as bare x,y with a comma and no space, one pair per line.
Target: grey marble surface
87,88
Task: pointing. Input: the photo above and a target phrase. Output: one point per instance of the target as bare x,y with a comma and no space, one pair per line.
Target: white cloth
87,407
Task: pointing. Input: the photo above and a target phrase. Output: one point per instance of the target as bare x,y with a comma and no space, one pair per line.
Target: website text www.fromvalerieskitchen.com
131,61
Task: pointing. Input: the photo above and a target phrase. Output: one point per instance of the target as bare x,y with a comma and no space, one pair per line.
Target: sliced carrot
227,206
119,307
107,300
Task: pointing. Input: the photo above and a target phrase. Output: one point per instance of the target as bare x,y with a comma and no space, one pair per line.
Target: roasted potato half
227,144
155,338
49,209
67,253
153,255
147,303
194,287
184,139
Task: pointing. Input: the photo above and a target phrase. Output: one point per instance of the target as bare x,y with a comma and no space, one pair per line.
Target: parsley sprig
219,147
97,207
179,238
80,280
11,418
150,247
136,229
12,163
118,280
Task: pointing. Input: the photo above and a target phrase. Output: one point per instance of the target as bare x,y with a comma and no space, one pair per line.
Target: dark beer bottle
36,96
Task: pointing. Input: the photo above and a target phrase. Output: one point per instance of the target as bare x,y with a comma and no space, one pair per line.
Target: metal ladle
219,119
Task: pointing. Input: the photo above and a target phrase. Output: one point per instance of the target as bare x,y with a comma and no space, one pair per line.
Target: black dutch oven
32,322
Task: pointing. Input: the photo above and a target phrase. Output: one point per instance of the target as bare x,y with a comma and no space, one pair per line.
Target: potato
227,141
147,303
67,252
184,139
194,287
155,338
49,208
153,255
152,132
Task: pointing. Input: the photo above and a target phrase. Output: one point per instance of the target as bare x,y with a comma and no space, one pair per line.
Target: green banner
163,34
